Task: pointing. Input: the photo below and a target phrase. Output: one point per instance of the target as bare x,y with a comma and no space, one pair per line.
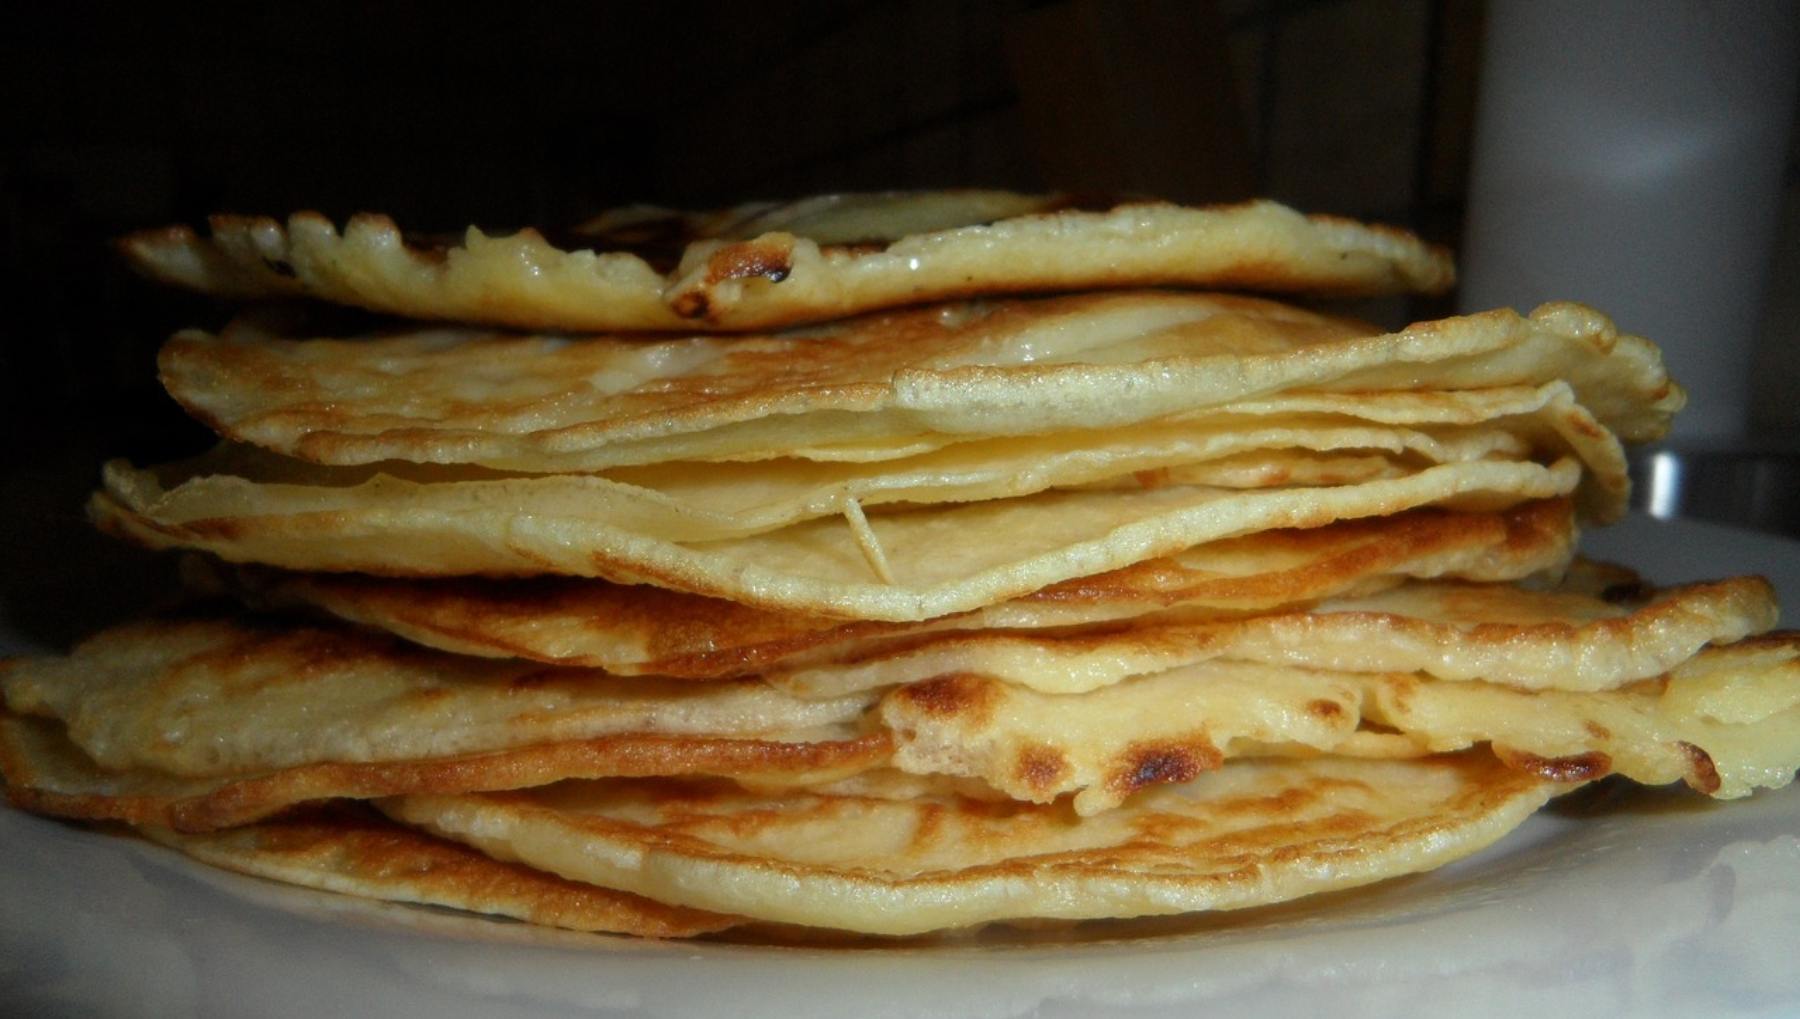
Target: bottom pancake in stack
1254,720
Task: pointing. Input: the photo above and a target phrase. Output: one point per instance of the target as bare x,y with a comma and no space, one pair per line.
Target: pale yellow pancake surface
781,263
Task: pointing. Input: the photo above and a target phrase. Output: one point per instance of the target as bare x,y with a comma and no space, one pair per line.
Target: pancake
881,615
207,697
354,853
808,261
694,501
978,370
47,773
631,630
1108,744
900,566
1248,834
1570,638
200,723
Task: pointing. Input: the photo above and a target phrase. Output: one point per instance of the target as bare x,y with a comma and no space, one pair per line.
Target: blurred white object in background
1629,154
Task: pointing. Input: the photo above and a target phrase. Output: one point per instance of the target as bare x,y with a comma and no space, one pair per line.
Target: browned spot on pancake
1040,768
1596,730
1537,523
1325,709
959,696
1702,775
692,304
1573,768
1164,762
771,259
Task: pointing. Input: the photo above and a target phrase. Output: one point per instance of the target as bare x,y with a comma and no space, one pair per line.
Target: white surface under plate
1618,901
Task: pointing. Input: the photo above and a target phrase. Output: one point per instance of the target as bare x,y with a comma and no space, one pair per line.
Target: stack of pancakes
801,572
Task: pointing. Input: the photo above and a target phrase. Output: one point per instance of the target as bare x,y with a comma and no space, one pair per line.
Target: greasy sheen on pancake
1251,833
634,630
766,265
983,369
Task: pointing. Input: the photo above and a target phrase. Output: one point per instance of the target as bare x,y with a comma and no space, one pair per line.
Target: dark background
125,116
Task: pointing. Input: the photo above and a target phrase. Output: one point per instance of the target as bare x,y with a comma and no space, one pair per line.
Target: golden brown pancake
648,630
1109,604
1723,724
976,370
47,773
906,565
1248,834
694,501
208,697
1563,638
209,722
355,853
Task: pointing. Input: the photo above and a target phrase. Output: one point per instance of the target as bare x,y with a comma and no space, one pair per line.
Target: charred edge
772,262
1702,775
1573,768
1163,764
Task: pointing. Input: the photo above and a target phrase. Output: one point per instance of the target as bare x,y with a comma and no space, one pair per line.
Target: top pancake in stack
780,264
1163,599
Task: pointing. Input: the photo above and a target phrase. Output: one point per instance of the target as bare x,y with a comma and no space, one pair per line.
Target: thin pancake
638,629
48,774
911,249
902,566
698,501
979,370
1568,638
1248,834
1112,742
1725,722
212,697
353,853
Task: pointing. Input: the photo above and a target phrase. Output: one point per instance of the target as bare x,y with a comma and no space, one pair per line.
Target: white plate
1619,902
